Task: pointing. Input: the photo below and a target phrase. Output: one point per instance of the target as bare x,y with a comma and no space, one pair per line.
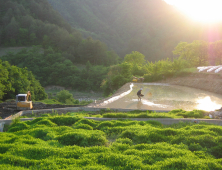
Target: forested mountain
151,27
35,22
57,48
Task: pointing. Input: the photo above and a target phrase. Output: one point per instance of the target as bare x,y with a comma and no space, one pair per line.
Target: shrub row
77,143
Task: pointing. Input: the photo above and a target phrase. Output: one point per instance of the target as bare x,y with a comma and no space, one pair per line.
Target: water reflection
207,104
165,97
139,104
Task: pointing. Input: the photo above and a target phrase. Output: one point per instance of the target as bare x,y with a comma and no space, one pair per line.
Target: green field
65,142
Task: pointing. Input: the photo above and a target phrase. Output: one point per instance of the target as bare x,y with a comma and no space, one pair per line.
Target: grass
107,113
72,142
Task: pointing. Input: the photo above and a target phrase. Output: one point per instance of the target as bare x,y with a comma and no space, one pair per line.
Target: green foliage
122,73
17,80
37,23
133,145
51,66
196,53
18,126
83,138
172,114
124,141
83,126
135,58
64,95
191,114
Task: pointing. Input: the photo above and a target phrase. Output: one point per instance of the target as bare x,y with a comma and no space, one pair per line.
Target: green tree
4,85
15,80
135,58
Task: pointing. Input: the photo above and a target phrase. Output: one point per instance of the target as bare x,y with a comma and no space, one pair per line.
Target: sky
205,11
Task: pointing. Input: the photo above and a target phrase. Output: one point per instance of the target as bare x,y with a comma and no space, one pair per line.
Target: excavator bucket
24,105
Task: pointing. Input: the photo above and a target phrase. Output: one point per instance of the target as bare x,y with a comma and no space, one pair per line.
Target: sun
206,11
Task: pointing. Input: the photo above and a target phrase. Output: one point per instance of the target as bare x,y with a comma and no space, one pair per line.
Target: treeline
134,64
200,53
188,55
15,80
35,22
53,68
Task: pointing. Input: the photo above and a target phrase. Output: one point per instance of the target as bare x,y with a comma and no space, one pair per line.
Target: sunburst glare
207,11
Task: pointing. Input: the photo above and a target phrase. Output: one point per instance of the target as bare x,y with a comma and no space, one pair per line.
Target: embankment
205,81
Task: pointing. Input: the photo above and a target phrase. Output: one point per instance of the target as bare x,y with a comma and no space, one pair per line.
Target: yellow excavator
24,101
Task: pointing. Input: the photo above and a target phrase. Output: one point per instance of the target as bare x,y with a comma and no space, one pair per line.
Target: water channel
164,97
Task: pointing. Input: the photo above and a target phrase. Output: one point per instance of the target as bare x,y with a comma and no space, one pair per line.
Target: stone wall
204,81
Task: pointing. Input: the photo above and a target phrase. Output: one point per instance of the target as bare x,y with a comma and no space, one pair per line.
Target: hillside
35,22
151,27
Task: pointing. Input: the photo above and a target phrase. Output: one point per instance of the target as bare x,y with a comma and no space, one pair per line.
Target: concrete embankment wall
64,111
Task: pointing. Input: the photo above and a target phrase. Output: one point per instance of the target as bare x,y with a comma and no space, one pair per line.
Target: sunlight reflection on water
207,104
164,97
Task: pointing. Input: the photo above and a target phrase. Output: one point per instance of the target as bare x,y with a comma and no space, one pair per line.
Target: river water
164,97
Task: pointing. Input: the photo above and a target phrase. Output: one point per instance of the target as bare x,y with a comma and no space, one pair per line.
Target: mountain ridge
151,27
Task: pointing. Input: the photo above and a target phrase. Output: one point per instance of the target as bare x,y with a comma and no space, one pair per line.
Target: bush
64,120
125,141
194,113
152,77
46,122
91,123
195,147
18,126
83,126
83,138
216,151
64,96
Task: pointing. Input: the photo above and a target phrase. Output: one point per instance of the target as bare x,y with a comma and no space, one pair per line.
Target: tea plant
65,142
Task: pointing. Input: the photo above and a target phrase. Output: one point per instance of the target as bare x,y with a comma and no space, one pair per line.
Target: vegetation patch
178,113
65,142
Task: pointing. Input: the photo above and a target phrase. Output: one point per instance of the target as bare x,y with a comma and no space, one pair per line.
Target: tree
4,86
135,58
200,49
12,30
195,52
218,51
15,80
